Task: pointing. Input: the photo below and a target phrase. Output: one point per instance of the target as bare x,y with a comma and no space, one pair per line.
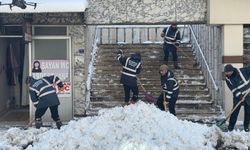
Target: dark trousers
171,104
127,90
234,116
169,48
53,110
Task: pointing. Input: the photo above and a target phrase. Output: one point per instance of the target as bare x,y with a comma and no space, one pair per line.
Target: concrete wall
78,42
3,79
145,11
44,18
228,12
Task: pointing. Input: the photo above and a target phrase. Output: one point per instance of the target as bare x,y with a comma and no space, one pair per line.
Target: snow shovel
29,124
220,123
149,98
165,103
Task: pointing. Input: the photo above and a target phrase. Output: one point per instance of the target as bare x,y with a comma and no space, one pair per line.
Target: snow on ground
140,126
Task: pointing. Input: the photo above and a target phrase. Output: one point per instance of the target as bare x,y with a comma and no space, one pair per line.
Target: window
50,31
51,49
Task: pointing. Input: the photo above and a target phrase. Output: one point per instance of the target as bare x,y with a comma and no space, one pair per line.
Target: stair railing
134,34
203,57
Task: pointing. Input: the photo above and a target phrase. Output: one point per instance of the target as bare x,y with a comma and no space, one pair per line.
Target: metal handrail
203,57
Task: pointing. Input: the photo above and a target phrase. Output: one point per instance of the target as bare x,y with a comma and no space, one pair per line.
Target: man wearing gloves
131,67
170,90
238,82
43,95
171,36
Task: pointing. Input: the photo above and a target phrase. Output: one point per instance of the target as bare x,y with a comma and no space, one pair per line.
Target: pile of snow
140,126
236,138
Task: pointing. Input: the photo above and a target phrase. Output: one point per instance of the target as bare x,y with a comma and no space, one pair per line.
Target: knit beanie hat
228,68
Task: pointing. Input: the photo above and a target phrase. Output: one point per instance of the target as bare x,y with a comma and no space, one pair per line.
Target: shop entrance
51,51
14,108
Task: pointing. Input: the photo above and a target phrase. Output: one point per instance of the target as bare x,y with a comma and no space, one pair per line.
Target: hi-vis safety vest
130,67
242,88
170,85
171,36
42,91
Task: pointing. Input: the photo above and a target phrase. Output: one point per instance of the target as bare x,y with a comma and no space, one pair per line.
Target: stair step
99,97
152,91
197,113
113,84
144,80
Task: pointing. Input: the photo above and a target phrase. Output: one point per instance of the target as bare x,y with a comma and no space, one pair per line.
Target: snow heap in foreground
140,126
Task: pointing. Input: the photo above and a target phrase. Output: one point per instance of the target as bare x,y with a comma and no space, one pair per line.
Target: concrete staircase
194,99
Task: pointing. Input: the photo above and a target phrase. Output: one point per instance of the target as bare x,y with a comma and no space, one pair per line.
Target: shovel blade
149,98
221,122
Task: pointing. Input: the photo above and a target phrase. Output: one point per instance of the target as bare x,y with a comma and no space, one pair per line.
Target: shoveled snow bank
140,126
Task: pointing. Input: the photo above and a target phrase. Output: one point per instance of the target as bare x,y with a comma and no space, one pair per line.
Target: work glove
61,88
177,44
120,52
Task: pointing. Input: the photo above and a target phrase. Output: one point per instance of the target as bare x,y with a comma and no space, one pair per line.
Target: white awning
46,6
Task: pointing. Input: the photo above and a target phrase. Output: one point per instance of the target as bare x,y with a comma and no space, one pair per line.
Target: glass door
51,55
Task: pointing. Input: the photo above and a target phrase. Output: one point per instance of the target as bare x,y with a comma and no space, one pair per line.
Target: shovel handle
242,100
165,103
144,90
29,124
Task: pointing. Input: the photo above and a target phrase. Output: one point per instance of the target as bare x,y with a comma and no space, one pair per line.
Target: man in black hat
171,36
238,81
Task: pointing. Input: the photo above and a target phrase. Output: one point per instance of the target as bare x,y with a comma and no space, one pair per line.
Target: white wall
228,11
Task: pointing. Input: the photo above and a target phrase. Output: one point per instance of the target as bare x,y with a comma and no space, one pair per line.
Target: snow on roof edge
49,7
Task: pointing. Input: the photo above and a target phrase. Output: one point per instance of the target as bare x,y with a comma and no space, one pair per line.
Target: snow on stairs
194,99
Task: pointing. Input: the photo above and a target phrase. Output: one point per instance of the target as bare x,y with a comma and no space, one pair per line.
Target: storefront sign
59,68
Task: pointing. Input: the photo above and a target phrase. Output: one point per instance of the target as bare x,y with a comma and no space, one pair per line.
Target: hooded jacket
131,67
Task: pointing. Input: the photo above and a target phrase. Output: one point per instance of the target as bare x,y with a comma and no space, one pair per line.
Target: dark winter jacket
43,93
172,35
169,85
239,82
131,67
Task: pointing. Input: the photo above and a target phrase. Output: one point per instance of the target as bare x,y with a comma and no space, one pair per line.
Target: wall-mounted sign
60,68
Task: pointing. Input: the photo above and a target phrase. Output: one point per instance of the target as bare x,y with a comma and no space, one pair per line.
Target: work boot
246,129
176,65
38,123
133,101
125,104
230,128
58,124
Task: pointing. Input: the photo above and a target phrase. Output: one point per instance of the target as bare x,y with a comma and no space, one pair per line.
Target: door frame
31,47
